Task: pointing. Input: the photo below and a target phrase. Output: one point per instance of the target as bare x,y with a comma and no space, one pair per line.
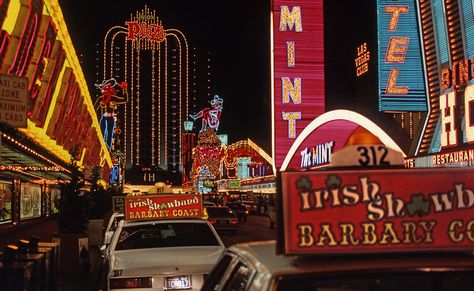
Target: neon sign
108,101
448,102
362,60
210,116
401,75
298,75
317,155
379,214
142,30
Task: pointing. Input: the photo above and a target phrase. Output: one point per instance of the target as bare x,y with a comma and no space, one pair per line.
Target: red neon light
153,32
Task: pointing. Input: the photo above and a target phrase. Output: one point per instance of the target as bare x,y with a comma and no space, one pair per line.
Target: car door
230,273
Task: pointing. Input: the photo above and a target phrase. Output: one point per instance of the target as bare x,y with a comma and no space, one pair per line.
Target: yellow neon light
12,16
54,10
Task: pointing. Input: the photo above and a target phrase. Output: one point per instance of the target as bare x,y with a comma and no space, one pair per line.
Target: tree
99,195
74,202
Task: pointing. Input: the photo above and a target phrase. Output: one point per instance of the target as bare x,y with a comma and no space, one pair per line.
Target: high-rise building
161,70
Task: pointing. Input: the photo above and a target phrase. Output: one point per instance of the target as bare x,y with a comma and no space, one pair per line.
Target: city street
256,227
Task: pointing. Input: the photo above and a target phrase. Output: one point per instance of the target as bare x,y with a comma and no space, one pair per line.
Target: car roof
263,255
217,206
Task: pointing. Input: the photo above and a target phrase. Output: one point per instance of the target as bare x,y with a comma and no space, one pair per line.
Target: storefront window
30,201
6,190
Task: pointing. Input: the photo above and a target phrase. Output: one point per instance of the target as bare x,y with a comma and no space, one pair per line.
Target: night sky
237,38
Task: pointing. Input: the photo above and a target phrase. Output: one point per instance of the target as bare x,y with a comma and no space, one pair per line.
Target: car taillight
124,283
234,221
212,221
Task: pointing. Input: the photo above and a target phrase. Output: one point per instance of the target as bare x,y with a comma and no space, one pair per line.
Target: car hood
166,260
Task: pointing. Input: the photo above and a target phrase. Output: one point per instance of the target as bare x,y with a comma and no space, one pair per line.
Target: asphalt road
255,228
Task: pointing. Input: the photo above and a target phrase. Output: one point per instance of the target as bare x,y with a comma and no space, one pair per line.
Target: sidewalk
66,282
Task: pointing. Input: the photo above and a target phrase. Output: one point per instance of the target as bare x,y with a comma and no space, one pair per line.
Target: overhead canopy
20,158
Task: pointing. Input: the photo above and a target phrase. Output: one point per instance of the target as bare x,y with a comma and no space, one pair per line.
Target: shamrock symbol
333,181
304,183
163,206
418,205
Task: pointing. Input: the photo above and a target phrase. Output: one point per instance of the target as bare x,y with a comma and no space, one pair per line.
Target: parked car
255,266
251,206
112,224
163,254
223,218
208,203
239,209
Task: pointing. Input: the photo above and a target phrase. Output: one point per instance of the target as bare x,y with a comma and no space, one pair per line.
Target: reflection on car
208,203
162,254
255,266
239,209
114,219
223,218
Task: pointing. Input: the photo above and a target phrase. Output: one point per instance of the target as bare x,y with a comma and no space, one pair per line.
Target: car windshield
219,212
159,235
409,281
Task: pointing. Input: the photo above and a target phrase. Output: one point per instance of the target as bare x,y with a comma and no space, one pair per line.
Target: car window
219,211
240,278
166,235
215,278
413,281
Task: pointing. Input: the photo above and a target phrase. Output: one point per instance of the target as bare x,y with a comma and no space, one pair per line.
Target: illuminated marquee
401,75
460,73
298,63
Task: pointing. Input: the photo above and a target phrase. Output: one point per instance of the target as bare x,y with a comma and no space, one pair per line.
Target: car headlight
124,283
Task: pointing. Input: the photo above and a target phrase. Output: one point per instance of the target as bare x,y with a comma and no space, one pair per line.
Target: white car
168,254
255,266
115,218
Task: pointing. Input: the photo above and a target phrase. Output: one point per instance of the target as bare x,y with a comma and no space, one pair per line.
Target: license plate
178,282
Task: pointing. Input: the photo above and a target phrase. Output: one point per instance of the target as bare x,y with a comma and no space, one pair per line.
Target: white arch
340,115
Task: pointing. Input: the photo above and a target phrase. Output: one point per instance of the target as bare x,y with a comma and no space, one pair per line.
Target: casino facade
46,112
400,75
